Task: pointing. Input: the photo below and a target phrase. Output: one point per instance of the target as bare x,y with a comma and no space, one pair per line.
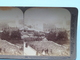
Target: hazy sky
57,16
36,16
10,15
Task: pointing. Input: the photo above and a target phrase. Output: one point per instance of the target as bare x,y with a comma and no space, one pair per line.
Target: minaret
24,44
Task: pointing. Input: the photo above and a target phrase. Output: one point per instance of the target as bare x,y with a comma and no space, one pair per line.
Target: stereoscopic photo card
36,31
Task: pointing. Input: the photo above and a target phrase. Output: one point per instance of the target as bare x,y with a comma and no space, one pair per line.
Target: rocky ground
53,49
7,48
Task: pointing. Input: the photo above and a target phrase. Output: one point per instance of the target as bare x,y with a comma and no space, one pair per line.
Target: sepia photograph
37,31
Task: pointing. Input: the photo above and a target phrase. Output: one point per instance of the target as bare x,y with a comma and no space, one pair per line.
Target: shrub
60,37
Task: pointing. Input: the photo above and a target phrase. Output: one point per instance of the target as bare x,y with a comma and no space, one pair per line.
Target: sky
10,16
59,17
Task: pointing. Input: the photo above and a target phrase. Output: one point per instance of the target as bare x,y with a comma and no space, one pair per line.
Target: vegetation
60,37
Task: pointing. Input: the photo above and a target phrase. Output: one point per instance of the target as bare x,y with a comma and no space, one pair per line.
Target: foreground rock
7,48
50,47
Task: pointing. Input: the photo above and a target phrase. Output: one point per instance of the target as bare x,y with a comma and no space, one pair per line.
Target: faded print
37,32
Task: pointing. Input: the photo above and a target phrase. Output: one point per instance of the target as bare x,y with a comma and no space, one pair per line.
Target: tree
61,38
